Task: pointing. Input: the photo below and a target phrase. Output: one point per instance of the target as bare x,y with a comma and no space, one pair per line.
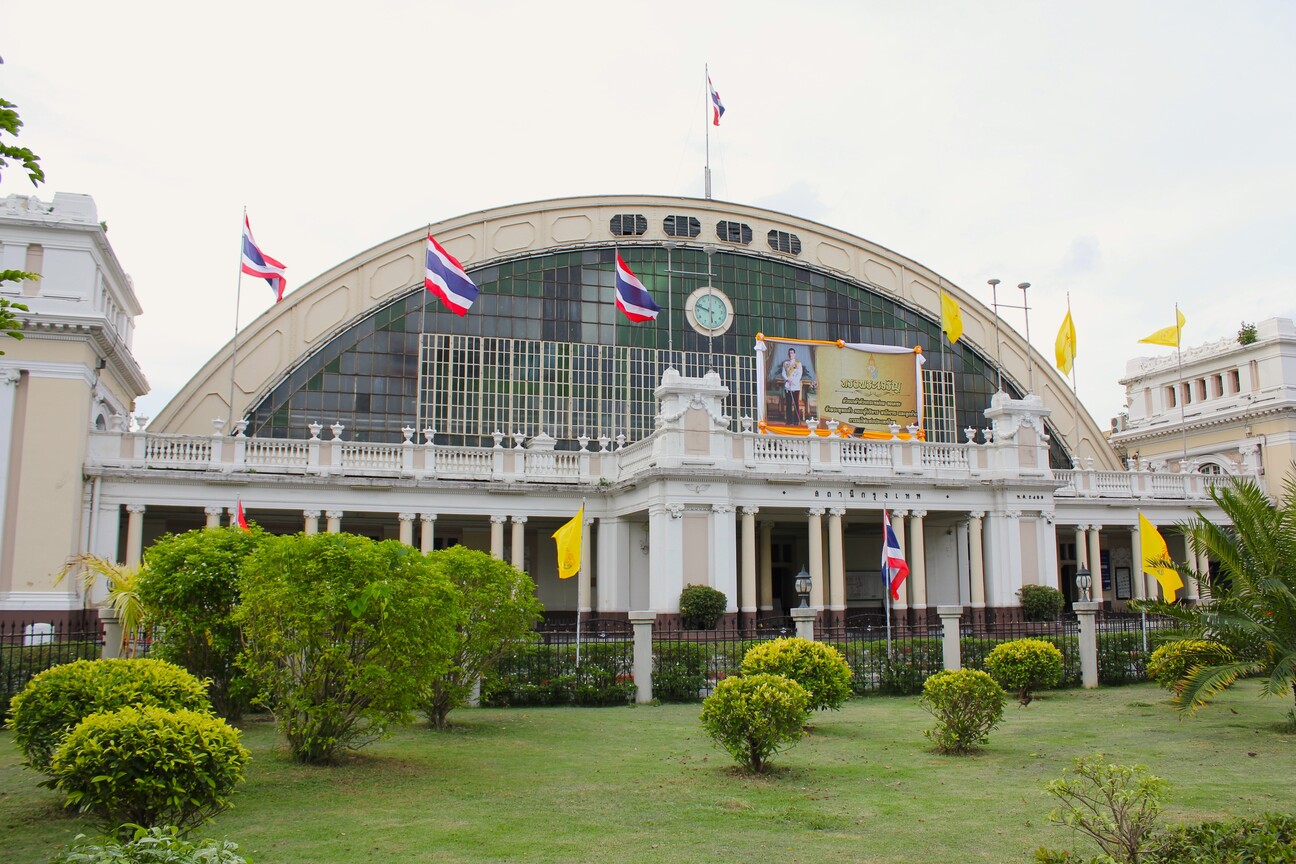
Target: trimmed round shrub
1172,662
1041,602
1025,665
701,607
756,716
149,766
819,668
56,700
967,704
152,845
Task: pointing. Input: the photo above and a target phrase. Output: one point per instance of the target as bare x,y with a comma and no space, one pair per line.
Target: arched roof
313,314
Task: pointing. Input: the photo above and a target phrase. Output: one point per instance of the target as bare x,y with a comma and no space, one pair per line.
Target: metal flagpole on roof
1183,419
418,397
706,124
994,303
1075,398
580,578
238,299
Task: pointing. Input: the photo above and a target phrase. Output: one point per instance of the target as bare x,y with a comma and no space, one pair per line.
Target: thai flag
894,568
446,279
240,518
257,263
632,298
717,107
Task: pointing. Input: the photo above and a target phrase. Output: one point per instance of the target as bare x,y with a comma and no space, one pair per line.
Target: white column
9,379
425,531
918,559
213,516
497,536
724,560
1140,579
407,528
815,528
976,559
1081,549
311,521
334,518
747,592
134,534
619,541
766,599
665,557
1094,559
1200,561
585,585
836,561
518,543
898,528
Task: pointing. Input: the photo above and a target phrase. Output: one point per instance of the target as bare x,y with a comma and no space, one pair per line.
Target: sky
1133,155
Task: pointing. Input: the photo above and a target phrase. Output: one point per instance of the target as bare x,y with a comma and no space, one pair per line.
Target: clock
709,311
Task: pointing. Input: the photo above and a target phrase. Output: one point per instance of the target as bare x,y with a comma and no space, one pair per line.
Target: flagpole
886,583
418,398
238,299
670,308
1183,419
1075,398
994,301
580,578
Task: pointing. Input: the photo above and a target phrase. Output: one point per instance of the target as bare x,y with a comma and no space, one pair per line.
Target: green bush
1271,837
817,667
1041,602
151,846
530,673
967,704
59,698
756,716
701,607
1024,665
341,633
19,663
189,589
1116,806
1171,662
149,766
680,671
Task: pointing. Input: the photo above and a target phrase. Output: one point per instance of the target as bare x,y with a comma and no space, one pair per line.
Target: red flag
239,519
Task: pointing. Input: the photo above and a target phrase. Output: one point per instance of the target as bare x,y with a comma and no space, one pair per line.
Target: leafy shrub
149,766
59,698
701,607
1041,602
497,605
1271,837
1024,665
341,634
975,649
756,716
19,664
817,667
530,673
189,589
680,671
967,704
151,846
1171,662
1115,805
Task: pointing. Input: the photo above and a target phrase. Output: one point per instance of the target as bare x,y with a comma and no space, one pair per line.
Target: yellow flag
569,545
1156,558
951,318
1066,345
1167,335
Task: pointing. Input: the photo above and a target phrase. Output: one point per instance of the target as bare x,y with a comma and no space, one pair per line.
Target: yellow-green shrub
967,704
820,669
56,700
756,716
1024,665
149,766
1171,662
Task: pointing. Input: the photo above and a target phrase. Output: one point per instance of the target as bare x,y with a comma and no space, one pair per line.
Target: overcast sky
1132,154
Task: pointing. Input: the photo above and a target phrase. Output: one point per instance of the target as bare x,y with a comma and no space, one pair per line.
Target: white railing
865,454
1113,484
375,457
475,462
276,452
1068,481
552,465
945,456
177,450
781,451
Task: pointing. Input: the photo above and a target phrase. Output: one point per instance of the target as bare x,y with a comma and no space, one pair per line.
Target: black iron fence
555,666
976,643
1126,642
895,662
27,649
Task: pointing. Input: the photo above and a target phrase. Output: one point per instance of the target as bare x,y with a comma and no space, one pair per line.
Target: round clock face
710,311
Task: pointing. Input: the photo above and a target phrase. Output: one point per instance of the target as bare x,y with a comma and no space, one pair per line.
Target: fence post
804,616
643,659
1087,616
112,633
951,618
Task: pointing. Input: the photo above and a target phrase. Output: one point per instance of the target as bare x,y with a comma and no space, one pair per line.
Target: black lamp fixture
1084,581
802,585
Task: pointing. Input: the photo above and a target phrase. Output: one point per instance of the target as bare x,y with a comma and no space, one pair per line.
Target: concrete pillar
1081,547
950,649
747,586
213,516
976,559
643,659
426,530
917,559
804,617
585,581
724,553
1094,558
518,544
497,535
134,534
112,646
1087,616
407,528
1140,579
334,521
901,603
766,592
836,564
311,521
1192,591
815,527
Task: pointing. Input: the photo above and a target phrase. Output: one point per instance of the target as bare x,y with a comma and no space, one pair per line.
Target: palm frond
1205,682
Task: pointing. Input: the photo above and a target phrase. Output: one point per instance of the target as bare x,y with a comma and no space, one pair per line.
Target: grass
646,784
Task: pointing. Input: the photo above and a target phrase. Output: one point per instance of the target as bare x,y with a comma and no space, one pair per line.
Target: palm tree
123,591
1250,604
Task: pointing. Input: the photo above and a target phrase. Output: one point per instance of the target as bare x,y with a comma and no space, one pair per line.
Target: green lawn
645,784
